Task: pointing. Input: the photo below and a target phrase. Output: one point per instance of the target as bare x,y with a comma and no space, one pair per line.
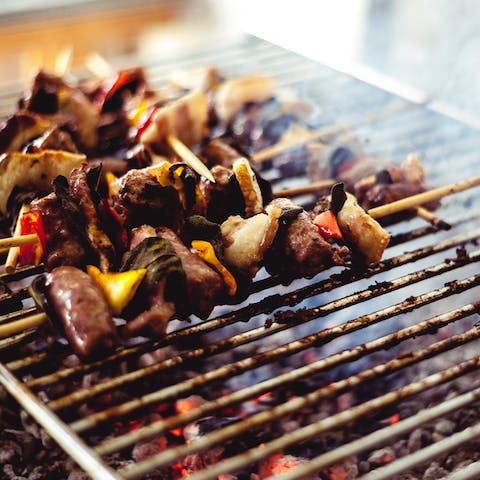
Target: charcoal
381,456
434,472
142,451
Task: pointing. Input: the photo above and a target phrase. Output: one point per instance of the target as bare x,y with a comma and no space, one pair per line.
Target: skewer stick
23,324
189,157
424,197
427,215
404,204
63,60
14,250
311,187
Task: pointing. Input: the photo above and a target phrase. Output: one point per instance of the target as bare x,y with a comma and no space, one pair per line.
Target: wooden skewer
427,215
189,157
404,204
14,250
422,198
311,187
23,324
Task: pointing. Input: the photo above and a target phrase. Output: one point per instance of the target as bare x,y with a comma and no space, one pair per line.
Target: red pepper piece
111,98
327,225
144,124
115,225
31,222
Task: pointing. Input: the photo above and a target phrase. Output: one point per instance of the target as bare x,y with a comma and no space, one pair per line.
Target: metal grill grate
404,327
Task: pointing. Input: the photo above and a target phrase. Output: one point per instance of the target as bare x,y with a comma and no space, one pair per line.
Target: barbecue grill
326,368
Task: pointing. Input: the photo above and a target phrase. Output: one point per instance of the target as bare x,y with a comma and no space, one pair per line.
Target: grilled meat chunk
204,286
63,245
142,200
17,130
82,193
224,197
218,152
53,139
83,311
298,250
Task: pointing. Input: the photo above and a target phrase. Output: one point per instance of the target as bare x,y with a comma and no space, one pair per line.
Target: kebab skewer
35,320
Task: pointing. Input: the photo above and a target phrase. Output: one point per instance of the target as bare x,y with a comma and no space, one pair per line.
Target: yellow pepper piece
112,184
118,287
161,173
136,115
207,254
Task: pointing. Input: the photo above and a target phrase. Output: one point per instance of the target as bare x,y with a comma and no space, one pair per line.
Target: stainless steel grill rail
428,283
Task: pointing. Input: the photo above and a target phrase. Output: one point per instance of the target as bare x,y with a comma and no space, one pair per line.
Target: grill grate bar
382,436
267,417
70,442
266,305
334,360
426,454
372,292
256,361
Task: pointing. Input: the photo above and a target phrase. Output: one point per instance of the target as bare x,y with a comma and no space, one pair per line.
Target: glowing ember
180,471
336,472
176,432
394,419
184,405
279,464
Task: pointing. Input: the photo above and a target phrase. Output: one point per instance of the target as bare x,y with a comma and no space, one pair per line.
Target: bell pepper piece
146,121
327,225
112,184
207,253
119,287
31,222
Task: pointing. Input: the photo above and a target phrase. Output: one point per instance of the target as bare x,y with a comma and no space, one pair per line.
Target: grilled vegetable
118,287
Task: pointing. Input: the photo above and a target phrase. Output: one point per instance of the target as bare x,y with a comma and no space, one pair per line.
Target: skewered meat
142,200
186,118
234,93
81,192
63,245
82,310
299,245
20,128
204,286
218,152
34,171
53,139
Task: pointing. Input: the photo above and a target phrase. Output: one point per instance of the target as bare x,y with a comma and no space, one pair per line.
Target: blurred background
424,49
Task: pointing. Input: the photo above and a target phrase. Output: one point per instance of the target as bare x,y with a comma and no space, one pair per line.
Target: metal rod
68,440
425,454
382,436
371,292
266,305
256,390
471,472
251,423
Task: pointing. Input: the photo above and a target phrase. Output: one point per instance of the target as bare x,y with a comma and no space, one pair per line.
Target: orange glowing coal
336,472
278,464
184,405
394,419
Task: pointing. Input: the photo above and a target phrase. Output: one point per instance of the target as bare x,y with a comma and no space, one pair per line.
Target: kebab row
146,238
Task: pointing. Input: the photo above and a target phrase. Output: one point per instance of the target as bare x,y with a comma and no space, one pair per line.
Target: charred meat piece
66,106
34,171
82,310
233,94
22,127
224,197
53,139
82,193
218,152
204,286
298,250
63,244
163,284
142,200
